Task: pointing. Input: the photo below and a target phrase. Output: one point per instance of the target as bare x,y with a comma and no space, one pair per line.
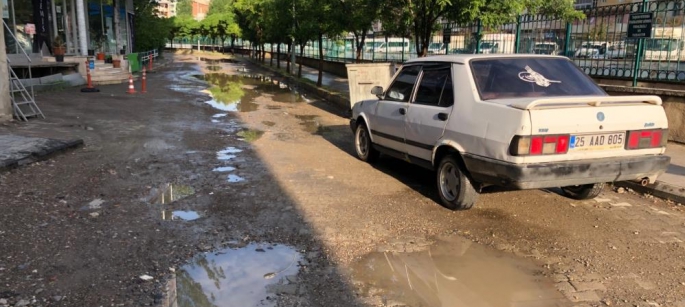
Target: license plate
592,142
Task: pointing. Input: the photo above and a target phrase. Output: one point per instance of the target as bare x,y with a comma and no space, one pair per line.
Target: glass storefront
35,24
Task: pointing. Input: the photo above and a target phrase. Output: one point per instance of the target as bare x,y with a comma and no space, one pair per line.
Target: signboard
640,25
30,29
5,10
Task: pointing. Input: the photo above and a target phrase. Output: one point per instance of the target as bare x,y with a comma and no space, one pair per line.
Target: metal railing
598,44
28,58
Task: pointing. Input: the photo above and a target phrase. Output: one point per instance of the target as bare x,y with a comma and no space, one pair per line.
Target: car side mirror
378,91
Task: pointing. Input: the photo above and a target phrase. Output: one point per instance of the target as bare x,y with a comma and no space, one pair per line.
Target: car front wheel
455,189
363,145
586,191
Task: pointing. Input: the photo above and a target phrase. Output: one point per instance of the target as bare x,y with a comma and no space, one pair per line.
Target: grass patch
250,135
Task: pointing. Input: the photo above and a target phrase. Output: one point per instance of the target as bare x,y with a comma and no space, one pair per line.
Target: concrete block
74,79
51,79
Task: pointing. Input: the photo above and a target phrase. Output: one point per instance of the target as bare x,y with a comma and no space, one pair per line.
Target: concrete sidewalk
670,185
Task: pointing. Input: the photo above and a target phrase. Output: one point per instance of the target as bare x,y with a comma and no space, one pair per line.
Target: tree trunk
263,54
360,45
290,45
319,81
299,67
232,44
271,56
278,56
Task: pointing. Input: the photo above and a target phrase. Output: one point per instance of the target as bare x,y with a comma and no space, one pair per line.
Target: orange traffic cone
131,89
143,86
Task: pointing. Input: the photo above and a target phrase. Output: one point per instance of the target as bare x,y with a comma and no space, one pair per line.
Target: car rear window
531,77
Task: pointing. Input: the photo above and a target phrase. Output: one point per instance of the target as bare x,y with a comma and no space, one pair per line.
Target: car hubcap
449,181
362,142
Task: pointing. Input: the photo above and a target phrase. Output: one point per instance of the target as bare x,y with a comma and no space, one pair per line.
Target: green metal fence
597,44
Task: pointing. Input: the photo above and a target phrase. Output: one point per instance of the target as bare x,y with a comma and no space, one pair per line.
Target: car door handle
403,111
442,116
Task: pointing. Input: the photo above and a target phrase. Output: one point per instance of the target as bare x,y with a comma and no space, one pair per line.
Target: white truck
518,121
666,44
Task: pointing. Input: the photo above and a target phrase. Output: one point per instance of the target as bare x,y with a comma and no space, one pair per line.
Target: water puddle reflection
227,154
224,169
456,272
309,123
235,178
239,277
168,193
213,68
169,215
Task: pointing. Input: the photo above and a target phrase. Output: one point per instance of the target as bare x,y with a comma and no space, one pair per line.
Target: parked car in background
517,121
550,48
592,49
436,48
616,51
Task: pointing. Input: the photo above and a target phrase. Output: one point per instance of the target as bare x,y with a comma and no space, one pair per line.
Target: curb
41,155
659,189
337,99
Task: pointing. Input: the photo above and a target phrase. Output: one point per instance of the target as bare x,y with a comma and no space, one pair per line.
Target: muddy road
226,186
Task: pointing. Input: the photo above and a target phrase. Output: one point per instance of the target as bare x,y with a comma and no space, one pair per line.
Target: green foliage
184,8
151,30
250,135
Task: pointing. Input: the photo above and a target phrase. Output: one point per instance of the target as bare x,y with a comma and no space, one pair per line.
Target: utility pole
5,102
292,49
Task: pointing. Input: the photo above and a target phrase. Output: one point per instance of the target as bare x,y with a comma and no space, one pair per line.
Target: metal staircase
23,103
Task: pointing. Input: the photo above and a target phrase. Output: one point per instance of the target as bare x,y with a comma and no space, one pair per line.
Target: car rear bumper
568,173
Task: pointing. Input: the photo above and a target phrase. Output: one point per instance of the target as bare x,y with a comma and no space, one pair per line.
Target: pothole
455,272
253,275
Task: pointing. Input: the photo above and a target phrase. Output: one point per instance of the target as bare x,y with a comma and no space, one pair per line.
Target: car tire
455,189
586,191
363,145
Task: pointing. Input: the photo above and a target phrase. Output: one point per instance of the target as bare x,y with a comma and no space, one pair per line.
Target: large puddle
237,93
455,272
250,276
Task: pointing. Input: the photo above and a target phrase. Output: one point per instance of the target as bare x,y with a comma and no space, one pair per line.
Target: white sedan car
518,121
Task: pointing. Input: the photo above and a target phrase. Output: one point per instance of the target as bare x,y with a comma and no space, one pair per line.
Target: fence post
640,46
517,42
567,44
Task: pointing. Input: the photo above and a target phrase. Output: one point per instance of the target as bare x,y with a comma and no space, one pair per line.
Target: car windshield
435,46
531,77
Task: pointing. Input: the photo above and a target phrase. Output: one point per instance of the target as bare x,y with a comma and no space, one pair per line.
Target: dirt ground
82,228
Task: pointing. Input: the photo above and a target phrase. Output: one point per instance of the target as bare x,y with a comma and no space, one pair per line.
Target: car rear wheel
586,191
455,189
363,145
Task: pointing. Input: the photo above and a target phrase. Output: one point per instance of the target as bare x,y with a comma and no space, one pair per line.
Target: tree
151,30
423,15
184,8
359,16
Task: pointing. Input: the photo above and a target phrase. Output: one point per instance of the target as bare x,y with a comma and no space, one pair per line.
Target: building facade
85,26
167,8
200,9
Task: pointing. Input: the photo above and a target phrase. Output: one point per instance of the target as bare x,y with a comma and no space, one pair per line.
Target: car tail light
641,139
539,145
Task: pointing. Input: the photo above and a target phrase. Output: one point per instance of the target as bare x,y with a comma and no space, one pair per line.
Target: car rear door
387,126
429,110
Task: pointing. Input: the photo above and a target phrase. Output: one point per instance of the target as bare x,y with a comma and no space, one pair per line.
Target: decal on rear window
534,77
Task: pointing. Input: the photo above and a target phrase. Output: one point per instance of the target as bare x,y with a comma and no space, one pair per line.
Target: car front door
387,126
429,110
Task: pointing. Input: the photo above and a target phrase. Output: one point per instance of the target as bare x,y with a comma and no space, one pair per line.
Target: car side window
401,88
435,87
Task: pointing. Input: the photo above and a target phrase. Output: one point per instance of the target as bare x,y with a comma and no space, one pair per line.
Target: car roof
464,58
